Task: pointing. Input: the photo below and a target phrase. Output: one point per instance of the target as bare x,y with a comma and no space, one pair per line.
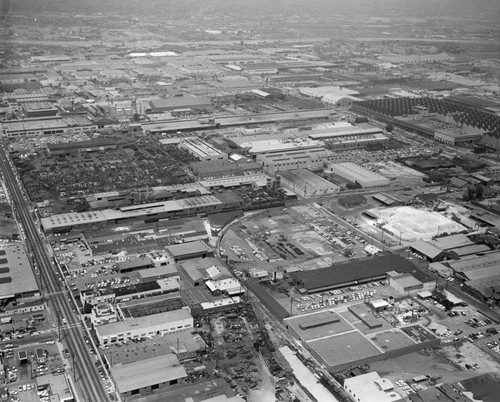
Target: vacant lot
431,362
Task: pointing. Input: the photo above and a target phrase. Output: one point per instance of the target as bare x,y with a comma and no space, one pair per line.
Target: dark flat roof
269,302
352,271
485,386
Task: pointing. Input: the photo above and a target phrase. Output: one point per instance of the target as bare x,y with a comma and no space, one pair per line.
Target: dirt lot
440,362
239,363
8,226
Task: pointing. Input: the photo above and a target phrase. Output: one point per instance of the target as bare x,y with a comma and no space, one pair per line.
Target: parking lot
283,236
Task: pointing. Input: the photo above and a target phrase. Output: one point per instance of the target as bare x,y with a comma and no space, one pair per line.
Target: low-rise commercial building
370,387
176,321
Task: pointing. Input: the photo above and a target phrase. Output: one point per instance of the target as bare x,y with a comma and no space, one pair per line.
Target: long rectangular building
201,149
311,158
41,126
358,174
347,274
168,322
235,121
306,183
147,212
144,376
16,276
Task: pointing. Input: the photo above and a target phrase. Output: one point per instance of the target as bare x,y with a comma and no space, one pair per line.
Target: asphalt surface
85,372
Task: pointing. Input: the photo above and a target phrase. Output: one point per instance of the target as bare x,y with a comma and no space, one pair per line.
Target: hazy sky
363,8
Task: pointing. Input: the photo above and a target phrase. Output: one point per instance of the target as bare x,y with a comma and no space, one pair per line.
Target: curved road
86,375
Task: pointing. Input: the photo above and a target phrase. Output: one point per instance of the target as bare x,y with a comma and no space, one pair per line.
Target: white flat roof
357,171
228,301
145,322
259,179
365,388
16,275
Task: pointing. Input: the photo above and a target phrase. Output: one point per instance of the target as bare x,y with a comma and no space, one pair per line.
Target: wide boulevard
85,372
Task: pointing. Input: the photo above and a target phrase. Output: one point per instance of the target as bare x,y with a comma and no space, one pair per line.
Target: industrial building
406,283
348,142
354,272
310,158
306,183
187,251
229,287
481,276
357,174
388,200
352,201
370,387
152,212
448,247
148,375
344,130
214,169
39,109
186,103
250,180
36,126
216,306
199,270
236,121
134,264
428,250
69,148
16,276
201,149
270,143
333,338
175,321
457,137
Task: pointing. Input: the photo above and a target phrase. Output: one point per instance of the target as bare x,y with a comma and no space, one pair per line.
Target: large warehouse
312,158
16,276
306,183
180,102
145,376
481,275
357,174
353,273
147,212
